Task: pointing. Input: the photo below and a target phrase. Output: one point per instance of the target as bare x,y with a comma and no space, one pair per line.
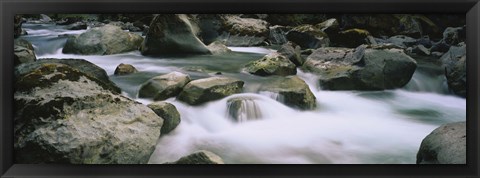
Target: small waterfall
243,109
423,82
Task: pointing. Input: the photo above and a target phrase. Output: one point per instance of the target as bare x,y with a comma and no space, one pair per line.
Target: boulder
242,109
103,40
272,64
292,52
77,26
330,26
293,92
454,62
85,67
169,113
445,145
208,89
363,68
23,52
172,34
200,157
125,69
453,36
308,36
351,38
236,25
278,34
218,47
64,116
164,86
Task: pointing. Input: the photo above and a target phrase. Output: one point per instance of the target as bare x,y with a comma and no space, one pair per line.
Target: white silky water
351,127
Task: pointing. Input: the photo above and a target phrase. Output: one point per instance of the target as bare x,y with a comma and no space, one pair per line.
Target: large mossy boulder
362,68
272,64
23,52
169,113
172,34
199,157
85,67
454,62
292,91
208,89
66,116
445,145
103,40
308,37
164,86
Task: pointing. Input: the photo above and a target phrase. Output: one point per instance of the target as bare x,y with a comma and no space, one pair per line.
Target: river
348,127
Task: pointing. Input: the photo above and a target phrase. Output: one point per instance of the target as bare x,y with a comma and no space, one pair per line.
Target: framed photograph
211,88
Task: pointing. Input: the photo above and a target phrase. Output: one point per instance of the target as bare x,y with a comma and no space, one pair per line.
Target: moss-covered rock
208,89
103,40
125,69
272,64
169,113
293,92
164,86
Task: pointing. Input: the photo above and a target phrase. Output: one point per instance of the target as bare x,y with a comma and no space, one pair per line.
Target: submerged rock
103,40
293,92
169,113
445,145
66,116
200,157
164,86
242,109
208,89
272,64
172,34
454,62
363,68
125,69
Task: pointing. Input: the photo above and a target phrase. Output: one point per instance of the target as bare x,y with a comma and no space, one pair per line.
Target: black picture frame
8,8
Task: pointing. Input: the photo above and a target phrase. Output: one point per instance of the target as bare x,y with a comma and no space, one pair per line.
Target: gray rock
453,36
169,113
236,25
125,69
103,40
200,157
272,64
292,52
172,34
242,109
293,92
402,41
218,47
208,89
23,55
65,116
454,62
308,36
164,86
421,50
23,43
445,145
85,67
278,34
330,26
363,68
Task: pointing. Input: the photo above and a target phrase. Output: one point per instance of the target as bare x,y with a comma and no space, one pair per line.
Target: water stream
379,127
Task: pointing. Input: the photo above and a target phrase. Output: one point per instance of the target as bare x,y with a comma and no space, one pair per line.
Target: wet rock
272,64
362,68
454,62
172,34
164,86
445,145
66,116
103,40
208,89
85,67
293,92
292,52
169,113
308,36
125,69
200,157
242,109
218,47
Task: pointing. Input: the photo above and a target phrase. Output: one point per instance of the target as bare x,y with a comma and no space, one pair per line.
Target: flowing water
378,127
